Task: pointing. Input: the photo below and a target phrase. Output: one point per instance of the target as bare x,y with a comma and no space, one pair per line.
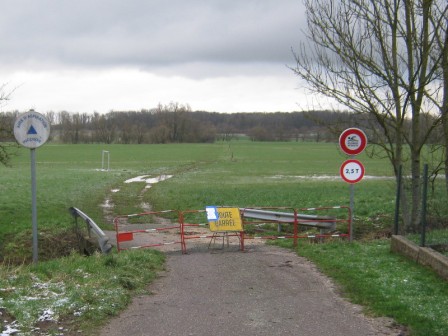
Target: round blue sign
31,129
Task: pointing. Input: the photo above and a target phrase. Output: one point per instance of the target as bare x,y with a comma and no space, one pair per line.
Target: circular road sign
352,171
353,141
31,129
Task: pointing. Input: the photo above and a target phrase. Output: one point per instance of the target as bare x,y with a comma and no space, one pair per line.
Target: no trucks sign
352,141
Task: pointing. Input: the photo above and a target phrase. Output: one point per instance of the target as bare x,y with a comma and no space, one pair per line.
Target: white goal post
105,160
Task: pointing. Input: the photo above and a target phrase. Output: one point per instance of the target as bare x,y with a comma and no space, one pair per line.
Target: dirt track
263,291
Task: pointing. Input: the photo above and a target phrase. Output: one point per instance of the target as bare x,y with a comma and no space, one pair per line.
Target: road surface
263,291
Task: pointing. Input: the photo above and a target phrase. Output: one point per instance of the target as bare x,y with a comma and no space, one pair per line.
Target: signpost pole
34,204
31,130
352,142
352,209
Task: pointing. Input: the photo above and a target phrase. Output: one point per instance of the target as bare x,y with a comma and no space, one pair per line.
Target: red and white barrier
125,232
185,222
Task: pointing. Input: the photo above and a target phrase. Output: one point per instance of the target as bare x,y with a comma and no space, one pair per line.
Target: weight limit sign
352,171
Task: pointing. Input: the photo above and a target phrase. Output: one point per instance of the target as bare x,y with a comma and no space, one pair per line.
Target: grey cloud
147,33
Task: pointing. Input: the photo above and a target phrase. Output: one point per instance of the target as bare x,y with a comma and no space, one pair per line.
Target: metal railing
92,227
320,222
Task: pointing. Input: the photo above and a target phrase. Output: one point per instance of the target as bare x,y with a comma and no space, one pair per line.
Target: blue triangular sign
32,130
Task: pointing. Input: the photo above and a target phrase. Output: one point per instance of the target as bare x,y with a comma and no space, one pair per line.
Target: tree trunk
445,103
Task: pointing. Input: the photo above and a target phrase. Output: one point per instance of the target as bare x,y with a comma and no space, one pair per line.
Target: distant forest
176,123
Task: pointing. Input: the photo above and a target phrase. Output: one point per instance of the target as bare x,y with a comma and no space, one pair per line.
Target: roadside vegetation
237,173
385,284
72,295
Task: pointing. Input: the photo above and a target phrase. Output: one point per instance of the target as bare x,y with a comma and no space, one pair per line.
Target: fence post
424,198
397,201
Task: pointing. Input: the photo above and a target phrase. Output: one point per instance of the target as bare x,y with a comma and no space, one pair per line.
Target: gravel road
263,291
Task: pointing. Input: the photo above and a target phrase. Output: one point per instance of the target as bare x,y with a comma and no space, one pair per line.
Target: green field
237,173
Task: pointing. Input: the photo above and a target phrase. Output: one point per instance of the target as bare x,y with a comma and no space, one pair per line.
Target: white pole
105,153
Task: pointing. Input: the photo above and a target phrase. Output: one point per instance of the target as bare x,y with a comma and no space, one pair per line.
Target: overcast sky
103,55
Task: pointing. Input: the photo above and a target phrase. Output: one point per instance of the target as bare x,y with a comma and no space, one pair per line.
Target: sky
114,55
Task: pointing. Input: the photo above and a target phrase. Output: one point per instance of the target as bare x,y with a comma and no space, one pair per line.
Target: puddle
148,180
137,179
146,206
108,205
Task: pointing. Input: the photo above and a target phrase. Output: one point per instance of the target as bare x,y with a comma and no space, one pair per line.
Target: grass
76,292
385,283
69,175
239,173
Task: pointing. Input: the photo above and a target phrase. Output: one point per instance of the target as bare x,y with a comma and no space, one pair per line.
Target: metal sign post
352,142
34,203
31,130
352,209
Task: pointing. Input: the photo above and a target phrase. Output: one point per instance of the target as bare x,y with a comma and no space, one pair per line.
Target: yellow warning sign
229,220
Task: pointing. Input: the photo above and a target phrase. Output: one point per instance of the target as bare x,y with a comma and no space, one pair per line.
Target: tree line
177,123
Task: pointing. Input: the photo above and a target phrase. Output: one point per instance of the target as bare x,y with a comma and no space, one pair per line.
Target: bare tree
444,106
6,133
375,57
103,129
4,96
174,117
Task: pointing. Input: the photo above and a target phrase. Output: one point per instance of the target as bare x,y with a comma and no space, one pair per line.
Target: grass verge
385,283
73,295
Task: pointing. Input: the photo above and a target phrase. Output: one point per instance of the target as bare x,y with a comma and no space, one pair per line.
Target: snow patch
47,315
148,180
107,204
11,329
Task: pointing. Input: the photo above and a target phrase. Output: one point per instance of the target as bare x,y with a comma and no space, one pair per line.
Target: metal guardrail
103,239
320,222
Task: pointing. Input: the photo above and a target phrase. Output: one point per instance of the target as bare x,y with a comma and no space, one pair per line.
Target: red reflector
125,236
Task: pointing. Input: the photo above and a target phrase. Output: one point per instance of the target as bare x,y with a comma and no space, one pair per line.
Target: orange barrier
128,226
